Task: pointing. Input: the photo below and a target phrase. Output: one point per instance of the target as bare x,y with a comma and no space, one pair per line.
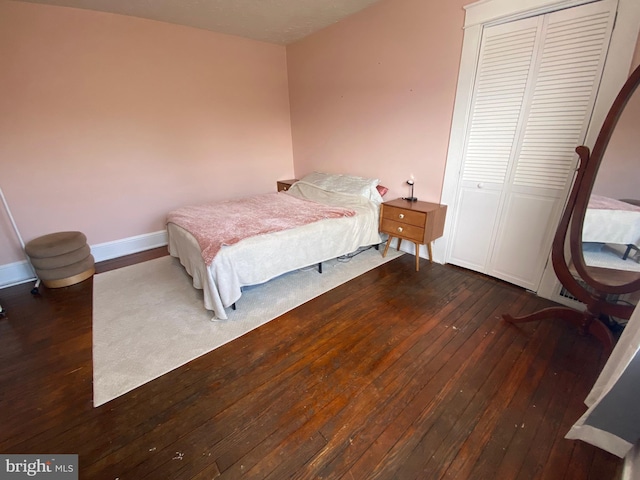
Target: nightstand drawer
404,230
404,215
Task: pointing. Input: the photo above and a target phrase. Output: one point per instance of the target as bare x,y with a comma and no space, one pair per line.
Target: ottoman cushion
55,244
61,260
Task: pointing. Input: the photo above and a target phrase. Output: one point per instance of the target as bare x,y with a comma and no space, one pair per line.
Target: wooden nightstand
283,185
418,222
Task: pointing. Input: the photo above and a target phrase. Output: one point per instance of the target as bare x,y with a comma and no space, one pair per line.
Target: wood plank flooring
395,375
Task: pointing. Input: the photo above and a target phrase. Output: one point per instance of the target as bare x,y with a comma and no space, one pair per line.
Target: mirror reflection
611,229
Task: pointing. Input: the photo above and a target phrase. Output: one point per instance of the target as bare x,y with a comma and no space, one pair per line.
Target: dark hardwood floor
395,375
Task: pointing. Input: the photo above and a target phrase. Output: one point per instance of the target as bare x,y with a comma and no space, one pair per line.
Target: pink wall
619,173
373,95
107,122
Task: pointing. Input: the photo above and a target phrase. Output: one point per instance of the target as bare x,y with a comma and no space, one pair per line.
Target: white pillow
349,184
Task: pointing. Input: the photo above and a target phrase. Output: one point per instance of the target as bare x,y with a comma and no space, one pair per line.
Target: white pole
15,229
13,222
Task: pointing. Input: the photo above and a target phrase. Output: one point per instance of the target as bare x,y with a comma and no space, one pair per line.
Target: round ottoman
61,259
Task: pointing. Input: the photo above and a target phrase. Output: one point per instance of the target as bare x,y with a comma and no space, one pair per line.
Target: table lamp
411,198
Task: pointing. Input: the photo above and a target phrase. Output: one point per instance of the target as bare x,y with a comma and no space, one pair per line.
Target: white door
535,87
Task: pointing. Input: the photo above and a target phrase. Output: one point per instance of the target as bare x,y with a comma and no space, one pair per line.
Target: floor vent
566,294
611,298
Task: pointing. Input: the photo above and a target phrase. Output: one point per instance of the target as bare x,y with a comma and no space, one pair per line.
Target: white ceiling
273,21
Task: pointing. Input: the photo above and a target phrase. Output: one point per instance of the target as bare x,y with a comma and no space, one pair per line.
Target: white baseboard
21,272
127,246
410,248
15,273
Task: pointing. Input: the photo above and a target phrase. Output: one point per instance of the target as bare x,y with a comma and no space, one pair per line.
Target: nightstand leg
430,253
386,247
399,242
417,256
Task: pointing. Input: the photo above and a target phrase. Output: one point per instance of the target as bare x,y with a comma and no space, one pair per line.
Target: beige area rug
148,319
610,256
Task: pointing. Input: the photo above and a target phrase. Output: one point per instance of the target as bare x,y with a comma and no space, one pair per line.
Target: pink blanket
598,202
225,223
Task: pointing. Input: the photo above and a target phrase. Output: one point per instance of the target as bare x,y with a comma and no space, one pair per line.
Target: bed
262,257
612,221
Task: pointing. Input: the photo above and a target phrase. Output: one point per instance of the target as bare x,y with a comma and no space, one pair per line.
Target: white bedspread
618,223
258,259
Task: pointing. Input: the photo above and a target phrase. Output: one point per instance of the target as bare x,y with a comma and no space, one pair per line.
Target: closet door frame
492,12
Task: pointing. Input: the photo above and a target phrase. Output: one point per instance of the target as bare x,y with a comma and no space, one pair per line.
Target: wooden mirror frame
571,223
592,161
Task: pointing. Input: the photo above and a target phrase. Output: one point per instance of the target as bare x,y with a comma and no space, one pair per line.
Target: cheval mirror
595,249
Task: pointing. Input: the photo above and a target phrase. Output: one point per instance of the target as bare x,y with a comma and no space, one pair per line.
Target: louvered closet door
534,93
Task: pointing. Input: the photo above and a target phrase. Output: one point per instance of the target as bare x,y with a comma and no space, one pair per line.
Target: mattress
611,221
261,258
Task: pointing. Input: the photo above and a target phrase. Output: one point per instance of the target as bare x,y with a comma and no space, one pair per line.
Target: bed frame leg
628,251
233,307
320,267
